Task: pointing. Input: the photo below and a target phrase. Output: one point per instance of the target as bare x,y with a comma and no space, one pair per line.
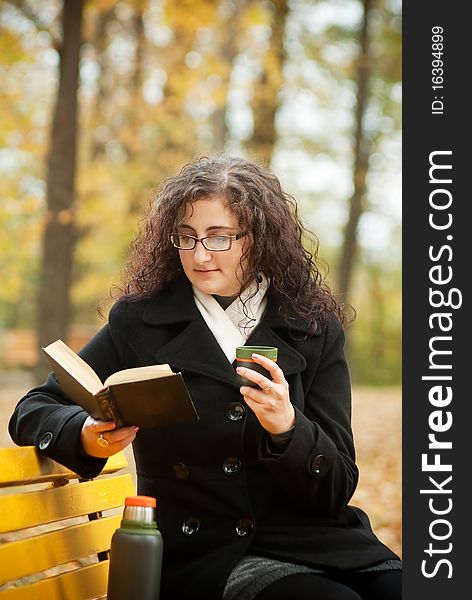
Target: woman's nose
201,253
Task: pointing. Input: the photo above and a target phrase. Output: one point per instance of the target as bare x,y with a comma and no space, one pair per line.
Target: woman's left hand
271,403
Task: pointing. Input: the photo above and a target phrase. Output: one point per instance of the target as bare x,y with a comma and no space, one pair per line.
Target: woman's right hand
94,431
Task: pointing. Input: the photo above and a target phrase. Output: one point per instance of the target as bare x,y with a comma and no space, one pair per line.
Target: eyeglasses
214,243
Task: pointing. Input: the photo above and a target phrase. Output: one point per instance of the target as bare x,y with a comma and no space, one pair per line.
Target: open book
150,396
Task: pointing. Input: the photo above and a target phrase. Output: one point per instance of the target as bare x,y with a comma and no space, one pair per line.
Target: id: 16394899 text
437,70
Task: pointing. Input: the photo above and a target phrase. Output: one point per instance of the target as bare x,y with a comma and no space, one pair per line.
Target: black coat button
190,526
244,527
316,463
235,411
181,471
232,465
45,441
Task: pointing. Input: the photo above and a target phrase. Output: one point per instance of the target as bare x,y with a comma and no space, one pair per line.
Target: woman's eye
218,242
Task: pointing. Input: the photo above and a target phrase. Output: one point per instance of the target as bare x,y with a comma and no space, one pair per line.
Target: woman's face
212,272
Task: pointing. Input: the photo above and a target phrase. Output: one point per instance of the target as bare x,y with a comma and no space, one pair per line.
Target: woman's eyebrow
212,228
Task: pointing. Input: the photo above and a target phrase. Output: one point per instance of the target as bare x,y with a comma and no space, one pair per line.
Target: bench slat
24,465
35,554
21,510
81,584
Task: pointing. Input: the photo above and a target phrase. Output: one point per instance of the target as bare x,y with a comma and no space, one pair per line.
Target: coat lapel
289,359
195,348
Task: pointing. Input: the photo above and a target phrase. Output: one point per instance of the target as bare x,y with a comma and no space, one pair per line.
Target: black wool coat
220,491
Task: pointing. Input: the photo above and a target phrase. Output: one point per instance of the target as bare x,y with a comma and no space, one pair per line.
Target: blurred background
100,100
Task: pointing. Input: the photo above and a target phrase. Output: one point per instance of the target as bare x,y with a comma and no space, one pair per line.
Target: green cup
243,359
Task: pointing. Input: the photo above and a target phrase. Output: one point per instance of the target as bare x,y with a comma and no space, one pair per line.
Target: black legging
386,585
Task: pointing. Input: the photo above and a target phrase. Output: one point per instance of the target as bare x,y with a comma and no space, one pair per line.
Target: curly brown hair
279,247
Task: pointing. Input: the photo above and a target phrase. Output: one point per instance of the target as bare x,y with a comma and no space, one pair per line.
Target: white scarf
232,327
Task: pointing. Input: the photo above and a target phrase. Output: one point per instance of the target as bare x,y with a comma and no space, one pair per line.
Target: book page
77,368
138,374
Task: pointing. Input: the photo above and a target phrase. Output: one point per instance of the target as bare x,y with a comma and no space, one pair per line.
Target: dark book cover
152,402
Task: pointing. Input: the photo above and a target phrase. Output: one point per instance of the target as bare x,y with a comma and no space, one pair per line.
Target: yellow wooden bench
51,523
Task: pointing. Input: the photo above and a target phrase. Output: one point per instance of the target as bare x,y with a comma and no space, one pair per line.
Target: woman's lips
206,271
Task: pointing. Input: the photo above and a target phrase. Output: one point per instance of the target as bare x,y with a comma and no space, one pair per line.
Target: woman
253,498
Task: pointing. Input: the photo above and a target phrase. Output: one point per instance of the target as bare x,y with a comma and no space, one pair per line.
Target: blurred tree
228,33
265,98
136,106
362,150
24,98
182,65
60,235
98,43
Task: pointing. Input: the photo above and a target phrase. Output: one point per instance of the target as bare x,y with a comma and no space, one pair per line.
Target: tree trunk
265,100
98,109
176,127
361,161
228,32
60,234
136,109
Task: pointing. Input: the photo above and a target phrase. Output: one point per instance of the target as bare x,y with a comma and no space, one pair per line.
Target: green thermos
136,553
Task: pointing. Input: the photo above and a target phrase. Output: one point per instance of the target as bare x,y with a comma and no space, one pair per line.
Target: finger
121,434
271,366
262,403
113,448
121,444
99,426
258,396
253,376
